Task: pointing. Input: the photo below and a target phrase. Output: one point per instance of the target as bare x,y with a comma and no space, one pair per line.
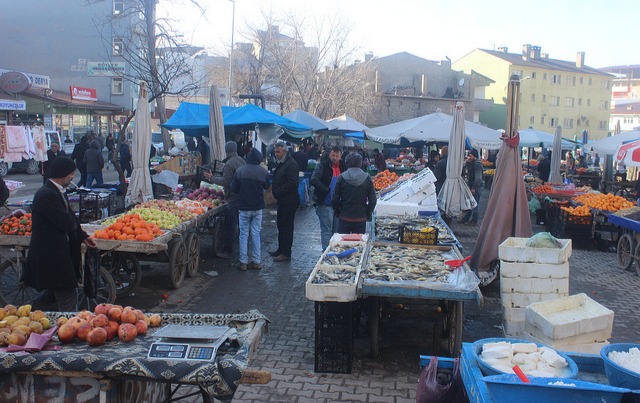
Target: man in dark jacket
231,163
475,181
125,158
52,154
354,197
249,182
301,158
323,180
53,263
285,191
77,155
440,170
544,168
378,160
95,162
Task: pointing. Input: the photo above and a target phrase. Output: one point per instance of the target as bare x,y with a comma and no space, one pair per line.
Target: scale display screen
189,342
177,351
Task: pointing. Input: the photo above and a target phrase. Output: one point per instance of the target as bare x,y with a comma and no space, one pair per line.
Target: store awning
63,99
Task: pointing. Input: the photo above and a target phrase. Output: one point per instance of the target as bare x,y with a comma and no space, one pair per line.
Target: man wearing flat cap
53,264
231,164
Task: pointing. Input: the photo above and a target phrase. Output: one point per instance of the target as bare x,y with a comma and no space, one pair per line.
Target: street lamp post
233,23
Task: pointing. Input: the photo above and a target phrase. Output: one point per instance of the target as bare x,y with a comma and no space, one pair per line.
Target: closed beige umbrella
140,189
216,126
556,156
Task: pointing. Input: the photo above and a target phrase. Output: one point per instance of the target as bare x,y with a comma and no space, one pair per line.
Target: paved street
287,351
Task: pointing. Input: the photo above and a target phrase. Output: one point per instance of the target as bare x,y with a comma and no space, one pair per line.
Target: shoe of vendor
243,267
281,258
254,266
275,253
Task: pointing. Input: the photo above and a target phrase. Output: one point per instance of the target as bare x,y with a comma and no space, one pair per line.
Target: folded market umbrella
139,189
455,196
556,156
216,126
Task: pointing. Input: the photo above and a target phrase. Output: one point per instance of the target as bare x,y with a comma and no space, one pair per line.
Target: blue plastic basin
617,375
489,370
508,388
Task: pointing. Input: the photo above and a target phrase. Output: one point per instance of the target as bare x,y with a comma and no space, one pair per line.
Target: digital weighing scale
189,342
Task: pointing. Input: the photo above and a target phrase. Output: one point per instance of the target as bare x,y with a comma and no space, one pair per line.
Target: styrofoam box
513,329
513,314
533,270
390,208
515,250
591,337
583,348
569,316
535,285
336,238
521,300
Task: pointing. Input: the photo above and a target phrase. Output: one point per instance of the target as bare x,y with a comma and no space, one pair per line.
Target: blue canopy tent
193,119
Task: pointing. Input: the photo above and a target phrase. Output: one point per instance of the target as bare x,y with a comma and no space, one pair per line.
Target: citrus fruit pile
129,227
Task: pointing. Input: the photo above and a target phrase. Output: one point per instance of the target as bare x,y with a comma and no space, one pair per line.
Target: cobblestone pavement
287,351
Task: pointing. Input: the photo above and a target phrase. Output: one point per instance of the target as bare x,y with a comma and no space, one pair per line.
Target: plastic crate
410,236
334,337
93,206
571,219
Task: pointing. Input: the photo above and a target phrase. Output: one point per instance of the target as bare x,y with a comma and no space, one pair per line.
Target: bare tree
306,63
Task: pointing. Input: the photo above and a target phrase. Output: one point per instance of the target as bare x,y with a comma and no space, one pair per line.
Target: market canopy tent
435,127
347,124
193,119
309,120
533,138
610,145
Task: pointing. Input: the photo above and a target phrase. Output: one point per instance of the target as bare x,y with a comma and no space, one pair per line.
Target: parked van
32,166
176,135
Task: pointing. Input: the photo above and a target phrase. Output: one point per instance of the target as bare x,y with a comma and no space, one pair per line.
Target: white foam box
513,314
513,329
535,285
569,316
521,300
391,208
583,348
515,250
533,270
584,338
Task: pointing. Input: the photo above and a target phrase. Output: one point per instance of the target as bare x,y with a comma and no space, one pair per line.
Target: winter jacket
78,155
321,180
440,172
249,182
93,158
231,164
302,159
285,182
354,197
475,175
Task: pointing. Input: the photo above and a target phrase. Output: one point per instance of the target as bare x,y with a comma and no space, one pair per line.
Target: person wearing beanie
249,183
231,163
354,197
52,153
95,162
475,181
53,263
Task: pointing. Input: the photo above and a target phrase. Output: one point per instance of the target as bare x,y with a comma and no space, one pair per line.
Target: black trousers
347,227
284,221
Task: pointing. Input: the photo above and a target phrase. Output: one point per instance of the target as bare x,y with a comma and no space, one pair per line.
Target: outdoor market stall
628,248
131,371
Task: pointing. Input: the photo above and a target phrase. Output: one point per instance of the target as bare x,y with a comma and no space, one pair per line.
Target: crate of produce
425,236
334,324
571,219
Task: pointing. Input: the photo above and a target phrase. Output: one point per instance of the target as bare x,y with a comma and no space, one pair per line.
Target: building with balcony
553,92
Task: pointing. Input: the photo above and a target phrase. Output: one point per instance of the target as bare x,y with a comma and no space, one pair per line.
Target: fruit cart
628,248
128,372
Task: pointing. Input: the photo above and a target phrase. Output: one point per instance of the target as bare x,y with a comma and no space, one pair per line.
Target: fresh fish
400,263
340,276
331,258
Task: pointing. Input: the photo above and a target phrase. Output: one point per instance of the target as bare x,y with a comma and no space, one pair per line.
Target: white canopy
307,119
347,123
609,145
434,127
532,138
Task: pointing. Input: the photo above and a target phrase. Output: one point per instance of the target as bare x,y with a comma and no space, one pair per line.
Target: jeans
250,224
328,224
472,215
94,175
57,299
284,222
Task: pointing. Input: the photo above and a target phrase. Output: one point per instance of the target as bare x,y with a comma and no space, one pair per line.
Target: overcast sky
433,29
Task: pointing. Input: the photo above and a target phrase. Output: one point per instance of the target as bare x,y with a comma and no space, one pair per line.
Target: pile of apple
168,206
105,323
18,323
213,196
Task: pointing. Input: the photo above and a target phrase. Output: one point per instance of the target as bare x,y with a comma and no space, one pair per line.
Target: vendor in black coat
53,264
285,191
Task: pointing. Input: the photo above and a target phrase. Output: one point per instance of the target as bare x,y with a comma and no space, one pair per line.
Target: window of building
532,120
604,104
581,80
118,7
579,101
588,102
117,86
572,81
555,78
541,120
533,75
602,125
590,81
517,73
569,102
578,123
553,122
568,123
533,97
554,101
604,84
544,76
544,98
118,46
627,120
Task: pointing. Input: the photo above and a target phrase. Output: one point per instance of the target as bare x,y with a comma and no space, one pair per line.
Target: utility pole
233,23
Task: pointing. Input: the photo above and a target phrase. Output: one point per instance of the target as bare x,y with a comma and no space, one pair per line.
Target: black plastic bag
441,385
91,272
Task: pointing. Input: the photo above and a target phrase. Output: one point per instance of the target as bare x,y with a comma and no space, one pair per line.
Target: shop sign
12,105
37,80
14,82
82,93
105,69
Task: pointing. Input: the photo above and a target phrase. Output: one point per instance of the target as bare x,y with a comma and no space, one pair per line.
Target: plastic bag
441,385
543,240
534,205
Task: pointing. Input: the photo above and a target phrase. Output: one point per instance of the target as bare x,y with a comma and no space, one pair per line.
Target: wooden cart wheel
625,250
177,263
106,292
12,290
453,328
125,270
193,253
638,259
219,237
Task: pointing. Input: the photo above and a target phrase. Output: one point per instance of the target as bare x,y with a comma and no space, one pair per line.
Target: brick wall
388,109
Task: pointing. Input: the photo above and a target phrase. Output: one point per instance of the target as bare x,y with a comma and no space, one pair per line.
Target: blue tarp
193,119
